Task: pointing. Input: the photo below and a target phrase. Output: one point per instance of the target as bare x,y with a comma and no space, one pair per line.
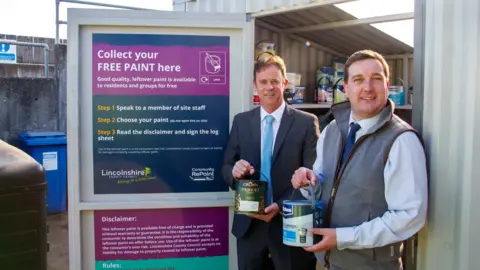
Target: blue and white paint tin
298,218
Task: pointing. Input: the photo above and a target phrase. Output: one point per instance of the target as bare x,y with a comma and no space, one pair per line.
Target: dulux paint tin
250,196
298,218
298,95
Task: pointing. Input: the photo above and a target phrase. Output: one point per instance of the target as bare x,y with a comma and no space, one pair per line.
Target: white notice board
150,103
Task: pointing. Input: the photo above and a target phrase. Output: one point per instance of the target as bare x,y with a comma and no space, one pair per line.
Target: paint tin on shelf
298,95
397,94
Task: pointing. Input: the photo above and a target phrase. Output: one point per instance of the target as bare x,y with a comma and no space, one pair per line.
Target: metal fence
46,50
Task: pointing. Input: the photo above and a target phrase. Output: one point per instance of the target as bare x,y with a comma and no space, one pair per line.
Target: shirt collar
365,124
277,114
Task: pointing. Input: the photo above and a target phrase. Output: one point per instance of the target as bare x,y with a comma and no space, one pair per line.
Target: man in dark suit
269,143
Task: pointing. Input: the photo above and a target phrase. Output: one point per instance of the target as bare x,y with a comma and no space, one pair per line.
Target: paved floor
58,239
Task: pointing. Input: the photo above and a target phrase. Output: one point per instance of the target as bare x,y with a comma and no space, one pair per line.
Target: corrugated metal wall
396,71
247,6
262,5
229,6
298,57
451,128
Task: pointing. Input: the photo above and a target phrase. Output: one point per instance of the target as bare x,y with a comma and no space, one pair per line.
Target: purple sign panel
160,112
159,237
169,70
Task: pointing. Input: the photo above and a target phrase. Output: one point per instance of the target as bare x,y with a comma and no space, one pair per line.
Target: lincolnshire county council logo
147,171
129,176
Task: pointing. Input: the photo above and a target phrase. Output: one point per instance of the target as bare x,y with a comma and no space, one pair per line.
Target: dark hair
268,59
363,55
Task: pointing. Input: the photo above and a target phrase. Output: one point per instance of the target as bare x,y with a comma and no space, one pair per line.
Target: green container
250,196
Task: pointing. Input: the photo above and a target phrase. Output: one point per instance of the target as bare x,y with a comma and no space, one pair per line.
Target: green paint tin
250,196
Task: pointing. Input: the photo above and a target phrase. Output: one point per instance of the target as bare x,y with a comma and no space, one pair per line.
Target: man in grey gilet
370,174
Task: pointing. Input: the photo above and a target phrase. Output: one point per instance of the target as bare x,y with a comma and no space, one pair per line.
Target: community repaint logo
202,174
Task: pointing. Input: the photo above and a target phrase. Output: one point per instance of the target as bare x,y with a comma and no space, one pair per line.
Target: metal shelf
311,106
327,106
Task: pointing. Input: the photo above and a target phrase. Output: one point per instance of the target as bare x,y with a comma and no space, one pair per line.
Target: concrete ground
58,239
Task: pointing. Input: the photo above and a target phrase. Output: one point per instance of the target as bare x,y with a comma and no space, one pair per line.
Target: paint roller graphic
212,63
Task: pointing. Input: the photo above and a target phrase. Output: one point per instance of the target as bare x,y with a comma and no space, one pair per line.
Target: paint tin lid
318,205
298,202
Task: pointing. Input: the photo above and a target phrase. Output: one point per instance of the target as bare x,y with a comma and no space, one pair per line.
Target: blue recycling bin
50,150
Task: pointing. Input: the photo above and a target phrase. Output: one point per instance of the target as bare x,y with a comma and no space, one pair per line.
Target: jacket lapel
256,140
287,120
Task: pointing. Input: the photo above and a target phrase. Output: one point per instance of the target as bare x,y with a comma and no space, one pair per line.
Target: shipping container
444,103
312,35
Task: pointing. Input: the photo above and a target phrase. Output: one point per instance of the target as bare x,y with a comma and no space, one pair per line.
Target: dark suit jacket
295,146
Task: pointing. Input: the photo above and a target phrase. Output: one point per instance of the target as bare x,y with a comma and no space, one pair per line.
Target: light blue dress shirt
406,193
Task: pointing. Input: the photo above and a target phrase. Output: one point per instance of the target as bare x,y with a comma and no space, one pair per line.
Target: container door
151,98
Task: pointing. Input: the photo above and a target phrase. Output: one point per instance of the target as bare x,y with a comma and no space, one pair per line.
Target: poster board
151,98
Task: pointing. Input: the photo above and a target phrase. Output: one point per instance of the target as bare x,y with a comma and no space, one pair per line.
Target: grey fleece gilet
360,189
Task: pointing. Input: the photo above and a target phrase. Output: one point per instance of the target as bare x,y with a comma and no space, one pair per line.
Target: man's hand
329,240
302,177
241,169
271,211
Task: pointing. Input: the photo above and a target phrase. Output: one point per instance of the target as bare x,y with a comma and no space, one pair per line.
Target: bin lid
43,138
18,169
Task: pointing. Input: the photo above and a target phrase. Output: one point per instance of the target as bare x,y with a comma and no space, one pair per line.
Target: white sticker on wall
50,161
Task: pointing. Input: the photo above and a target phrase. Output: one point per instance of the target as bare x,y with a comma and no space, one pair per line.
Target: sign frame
81,201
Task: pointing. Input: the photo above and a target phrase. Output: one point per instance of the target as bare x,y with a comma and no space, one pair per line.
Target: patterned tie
267,156
350,141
